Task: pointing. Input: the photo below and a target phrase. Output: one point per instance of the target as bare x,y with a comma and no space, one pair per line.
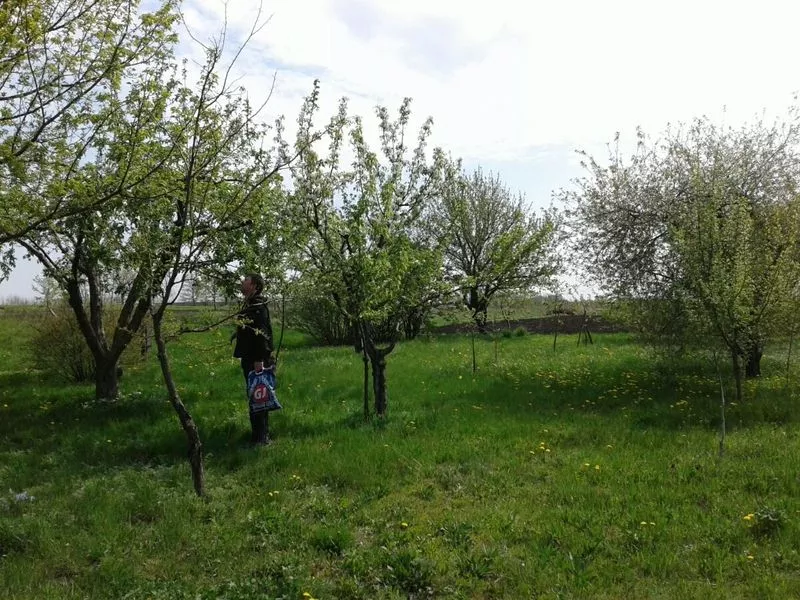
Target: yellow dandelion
404,525
750,557
748,517
597,467
586,465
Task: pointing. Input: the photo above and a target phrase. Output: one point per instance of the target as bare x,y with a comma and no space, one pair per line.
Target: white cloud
528,74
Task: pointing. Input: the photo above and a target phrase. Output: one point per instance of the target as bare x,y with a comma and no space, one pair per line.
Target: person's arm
262,334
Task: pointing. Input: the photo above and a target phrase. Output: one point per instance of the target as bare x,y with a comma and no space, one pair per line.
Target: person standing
254,346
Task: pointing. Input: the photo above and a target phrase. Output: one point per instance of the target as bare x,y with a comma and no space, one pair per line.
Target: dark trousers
259,422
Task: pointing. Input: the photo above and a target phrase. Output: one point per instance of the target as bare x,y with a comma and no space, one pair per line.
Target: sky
514,87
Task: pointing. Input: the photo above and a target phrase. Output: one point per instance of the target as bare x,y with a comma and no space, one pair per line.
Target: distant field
504,310
587,471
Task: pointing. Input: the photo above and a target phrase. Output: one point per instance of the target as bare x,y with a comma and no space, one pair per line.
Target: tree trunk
106,380
379,384
366,382
412,324
479,308
377,358
737,374
789,357
753,364
584,331
188,424
723,427
481,317
145,347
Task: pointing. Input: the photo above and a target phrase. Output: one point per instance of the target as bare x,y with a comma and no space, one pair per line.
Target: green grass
588,472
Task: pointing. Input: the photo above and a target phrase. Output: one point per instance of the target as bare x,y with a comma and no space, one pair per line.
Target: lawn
580,472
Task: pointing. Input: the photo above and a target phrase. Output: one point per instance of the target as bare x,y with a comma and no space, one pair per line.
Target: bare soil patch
549,324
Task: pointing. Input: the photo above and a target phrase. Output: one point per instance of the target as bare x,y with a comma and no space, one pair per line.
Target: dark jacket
254,331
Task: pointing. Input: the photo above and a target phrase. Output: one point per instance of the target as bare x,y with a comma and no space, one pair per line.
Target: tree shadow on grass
654,392
219,437
62,425
72,410
14,379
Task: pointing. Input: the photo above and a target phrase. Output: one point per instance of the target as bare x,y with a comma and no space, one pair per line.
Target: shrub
58,345
320,318
413,320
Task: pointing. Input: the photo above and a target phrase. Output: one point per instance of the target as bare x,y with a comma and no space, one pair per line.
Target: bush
413,320
320,318
520,331
58,345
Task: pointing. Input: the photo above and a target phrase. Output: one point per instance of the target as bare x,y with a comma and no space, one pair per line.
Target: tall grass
584,472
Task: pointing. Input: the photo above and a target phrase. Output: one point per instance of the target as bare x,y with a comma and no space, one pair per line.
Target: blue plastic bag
261,391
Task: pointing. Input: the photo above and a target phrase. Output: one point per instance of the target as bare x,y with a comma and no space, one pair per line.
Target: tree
217,182
79,186
357,226
163,140
495,244
47,291
739,271
60,60
699,233
169,175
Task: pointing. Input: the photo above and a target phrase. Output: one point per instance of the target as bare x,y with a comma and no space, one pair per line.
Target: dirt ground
549,324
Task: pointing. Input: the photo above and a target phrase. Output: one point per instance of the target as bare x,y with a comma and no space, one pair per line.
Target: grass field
584,472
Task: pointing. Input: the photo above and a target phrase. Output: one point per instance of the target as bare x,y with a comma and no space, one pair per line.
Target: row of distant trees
128,172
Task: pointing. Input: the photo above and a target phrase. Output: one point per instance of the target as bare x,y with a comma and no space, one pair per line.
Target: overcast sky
513,86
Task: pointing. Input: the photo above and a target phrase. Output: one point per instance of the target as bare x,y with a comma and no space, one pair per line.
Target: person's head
252,285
